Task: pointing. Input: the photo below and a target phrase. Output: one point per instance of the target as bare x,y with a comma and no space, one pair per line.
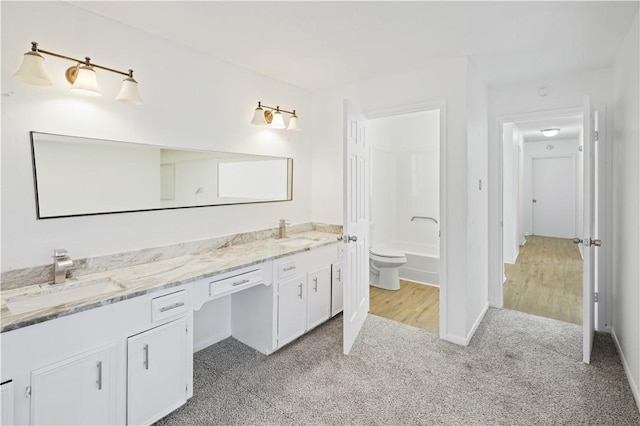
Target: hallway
546,280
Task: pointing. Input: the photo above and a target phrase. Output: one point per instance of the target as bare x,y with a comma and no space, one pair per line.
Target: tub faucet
282,229
61,264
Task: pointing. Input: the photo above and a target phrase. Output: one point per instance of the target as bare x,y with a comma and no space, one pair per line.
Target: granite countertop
133,281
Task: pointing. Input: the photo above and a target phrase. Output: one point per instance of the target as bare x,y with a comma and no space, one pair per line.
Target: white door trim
496,264
439,104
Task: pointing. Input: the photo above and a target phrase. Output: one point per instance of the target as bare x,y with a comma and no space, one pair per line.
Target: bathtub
423,262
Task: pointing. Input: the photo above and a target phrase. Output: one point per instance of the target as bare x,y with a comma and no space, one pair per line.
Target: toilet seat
386,252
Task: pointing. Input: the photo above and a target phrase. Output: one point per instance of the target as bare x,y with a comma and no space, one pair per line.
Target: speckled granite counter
134,281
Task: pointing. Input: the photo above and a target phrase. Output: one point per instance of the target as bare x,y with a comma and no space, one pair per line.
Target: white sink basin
298,242
69,292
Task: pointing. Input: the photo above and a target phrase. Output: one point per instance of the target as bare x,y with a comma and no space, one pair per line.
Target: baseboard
632,383
198,346
476,324
464,341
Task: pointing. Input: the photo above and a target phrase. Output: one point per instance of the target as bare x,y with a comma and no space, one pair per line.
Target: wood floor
546,280
414,304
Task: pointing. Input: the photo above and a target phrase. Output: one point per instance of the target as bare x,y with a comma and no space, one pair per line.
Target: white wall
477,208
405,180
511,100
511,187
444,81
561,148
191,101
626,183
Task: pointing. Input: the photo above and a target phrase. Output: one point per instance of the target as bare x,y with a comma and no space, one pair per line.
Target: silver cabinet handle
300,288
99,380
145,348
241,282
315,284
169,307
290,268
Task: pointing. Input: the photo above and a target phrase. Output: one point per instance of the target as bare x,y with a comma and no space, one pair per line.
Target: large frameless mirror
77,176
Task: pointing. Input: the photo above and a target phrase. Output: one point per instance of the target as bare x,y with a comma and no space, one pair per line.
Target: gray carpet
519,369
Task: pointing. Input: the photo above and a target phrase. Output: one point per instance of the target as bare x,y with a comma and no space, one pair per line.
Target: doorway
405,215
542,212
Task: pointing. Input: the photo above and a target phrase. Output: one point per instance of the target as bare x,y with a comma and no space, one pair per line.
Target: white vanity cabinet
292,309
79,390
337,292
75,370
303,292
319,297
157,380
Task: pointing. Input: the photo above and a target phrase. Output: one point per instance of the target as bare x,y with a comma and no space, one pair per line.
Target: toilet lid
385,252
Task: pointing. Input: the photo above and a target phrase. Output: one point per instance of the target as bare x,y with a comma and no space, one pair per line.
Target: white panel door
554,195
588,239
318,297
356,224
156,372
76,391
292,309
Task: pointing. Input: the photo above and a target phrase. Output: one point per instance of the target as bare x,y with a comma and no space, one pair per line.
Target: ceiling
322,44
570,128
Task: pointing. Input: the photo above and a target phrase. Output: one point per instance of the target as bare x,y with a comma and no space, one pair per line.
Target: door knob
535,201
596,243
353,238
577,241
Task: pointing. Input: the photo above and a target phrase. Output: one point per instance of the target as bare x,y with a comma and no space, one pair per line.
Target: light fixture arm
86,61
276,108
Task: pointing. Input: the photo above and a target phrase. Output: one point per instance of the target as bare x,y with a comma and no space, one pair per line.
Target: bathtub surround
518,369
44,273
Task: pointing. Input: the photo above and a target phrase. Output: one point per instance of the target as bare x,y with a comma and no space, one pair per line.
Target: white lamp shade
258,118
293,123
86,82
129,92
278,121
32,70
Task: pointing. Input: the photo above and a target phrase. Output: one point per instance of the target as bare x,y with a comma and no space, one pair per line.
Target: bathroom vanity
123,354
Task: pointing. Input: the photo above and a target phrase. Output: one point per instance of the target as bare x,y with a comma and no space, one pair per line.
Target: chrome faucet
61,264
282,229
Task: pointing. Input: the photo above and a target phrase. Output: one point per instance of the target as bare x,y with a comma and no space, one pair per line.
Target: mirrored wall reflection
81,176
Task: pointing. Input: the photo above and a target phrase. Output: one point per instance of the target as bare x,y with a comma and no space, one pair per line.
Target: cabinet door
156,373
319,297
336,288
6,403
292,309
77,391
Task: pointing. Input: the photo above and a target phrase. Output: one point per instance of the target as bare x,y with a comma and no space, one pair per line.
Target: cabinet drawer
288,268
236,283
168,306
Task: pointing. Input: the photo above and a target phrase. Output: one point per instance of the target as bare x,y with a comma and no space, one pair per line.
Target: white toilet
384,263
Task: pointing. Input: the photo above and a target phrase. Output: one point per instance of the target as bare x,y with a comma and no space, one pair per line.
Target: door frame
441,105
604,197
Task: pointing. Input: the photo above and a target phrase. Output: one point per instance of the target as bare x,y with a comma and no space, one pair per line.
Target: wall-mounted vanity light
82,76
550,132
263,116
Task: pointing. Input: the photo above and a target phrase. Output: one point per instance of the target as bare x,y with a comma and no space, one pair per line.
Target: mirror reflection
81,176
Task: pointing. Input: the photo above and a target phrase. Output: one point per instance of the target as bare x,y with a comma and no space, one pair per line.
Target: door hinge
596,136
27,392
595,297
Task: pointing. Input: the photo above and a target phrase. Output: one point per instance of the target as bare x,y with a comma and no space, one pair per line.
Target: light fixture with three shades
272,117
82,76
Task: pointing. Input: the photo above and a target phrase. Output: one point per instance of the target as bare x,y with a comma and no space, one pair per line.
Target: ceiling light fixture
82,76
263,116
550,132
